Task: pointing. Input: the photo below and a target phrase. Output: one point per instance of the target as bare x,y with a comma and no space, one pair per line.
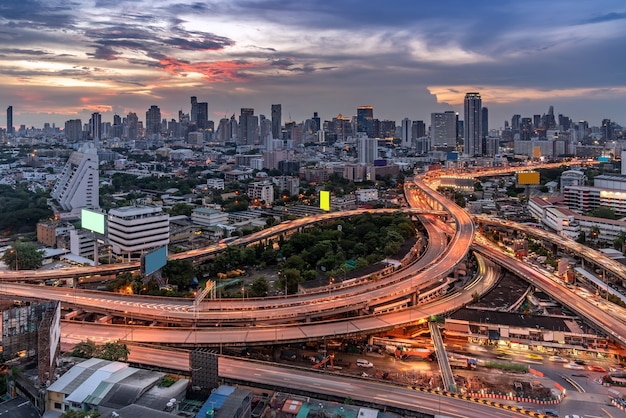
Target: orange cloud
454,95
218,71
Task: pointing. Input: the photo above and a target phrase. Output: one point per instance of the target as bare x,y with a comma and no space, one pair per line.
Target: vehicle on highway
535,357
364,363
558,359
573,416
581,362
549,412
595,368
574,366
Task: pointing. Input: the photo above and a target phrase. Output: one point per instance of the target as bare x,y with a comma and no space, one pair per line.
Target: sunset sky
62,60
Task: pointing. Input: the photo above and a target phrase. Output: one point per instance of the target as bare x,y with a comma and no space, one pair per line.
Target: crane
326,359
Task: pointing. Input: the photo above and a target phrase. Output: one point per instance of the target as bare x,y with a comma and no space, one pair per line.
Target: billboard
603,159
527,177
154,260
93,221
324,200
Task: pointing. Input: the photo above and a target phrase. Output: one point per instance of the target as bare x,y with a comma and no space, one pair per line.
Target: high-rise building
276,121
365,120
78,185
473,125
10,129
132,122
515,123
95,127
194,109
135,230
153,121
368,150
485,123
526,129
418,129
405,133
248,127
443,129
202,115
74,130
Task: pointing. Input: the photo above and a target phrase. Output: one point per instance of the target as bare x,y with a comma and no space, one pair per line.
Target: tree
85,349
603,212
259,287
115,351
23,256
179,273
72,413
181,209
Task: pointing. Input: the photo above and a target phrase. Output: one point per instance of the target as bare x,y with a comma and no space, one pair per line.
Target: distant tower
367,150
405,132
248,126
95,127
153,121
276,121
418,129
73,130
194,109
443,129
485,122
78,185
202,115
365,120
133,126
10,129
473,125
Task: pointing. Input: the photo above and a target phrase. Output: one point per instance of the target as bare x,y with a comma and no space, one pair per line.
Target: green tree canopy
23,256
179,273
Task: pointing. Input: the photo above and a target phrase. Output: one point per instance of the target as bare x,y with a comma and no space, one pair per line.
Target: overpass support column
413,298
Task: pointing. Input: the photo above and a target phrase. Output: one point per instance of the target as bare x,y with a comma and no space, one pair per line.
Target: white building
367,150
78,186
134,230
215,183
82,243
572,178
261,191
208,217
289,183
366,195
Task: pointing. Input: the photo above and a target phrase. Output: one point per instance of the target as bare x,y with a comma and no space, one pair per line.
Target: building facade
134,230
473,125
78,185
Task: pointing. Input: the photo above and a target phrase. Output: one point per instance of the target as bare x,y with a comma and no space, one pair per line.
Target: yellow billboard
324,200
527,177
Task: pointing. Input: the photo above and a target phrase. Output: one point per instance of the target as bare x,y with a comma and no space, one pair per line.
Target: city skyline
62,60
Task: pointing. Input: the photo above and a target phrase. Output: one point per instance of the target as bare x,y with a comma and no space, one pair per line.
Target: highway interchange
435,263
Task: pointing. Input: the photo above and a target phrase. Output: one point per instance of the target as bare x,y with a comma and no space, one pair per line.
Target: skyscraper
10,130
443,129
365,120
78,186
153,121
276,121
367,150
405,133
73,130
202,115
132,122
418,129
485,122
248,126
95,127
473,125
194,109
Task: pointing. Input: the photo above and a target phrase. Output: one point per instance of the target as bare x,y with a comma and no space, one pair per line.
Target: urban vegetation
23,256
112,351
21,209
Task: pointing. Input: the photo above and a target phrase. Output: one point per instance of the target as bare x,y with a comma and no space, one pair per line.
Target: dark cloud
105,53
23,51
39,14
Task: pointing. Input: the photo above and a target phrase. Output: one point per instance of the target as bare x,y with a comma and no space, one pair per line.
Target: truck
415,354
462,363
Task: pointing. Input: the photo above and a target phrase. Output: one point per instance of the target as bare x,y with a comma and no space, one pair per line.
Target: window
57,405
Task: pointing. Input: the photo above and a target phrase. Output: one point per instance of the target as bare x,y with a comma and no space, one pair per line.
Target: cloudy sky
64,59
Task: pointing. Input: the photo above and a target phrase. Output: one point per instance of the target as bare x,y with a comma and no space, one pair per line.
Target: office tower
135,230
607,130
418,129
405,133
550,121
385,128
526,129
317,120
10,129
78,185
515,123
565,123
194,109
277,121
265,129
95,127
202,115
443,129
485,123
132,122
248,127
117,120
153,121
538,121
223,130
365,120
74,130
472,144
368,150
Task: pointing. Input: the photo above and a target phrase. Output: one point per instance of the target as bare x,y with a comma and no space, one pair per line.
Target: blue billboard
154,260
